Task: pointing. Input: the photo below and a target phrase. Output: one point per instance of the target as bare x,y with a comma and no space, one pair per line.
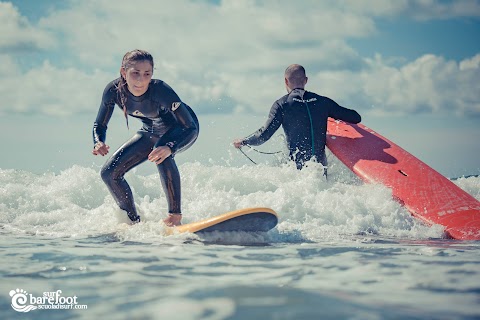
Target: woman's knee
108,174
105,173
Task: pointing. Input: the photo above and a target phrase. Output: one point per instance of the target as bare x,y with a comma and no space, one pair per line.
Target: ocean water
342,250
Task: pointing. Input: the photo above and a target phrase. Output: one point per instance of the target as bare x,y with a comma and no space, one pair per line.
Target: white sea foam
75,202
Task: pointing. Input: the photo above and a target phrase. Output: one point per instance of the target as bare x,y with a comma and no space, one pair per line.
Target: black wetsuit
166,121
303,115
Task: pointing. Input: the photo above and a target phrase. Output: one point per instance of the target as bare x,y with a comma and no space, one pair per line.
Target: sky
410,68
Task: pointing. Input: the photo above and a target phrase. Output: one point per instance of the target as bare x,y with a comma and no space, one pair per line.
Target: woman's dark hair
128,59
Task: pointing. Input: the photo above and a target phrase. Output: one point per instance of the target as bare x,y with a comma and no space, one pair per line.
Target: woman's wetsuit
166,122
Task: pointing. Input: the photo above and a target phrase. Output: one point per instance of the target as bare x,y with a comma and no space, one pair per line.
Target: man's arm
262,135
341,113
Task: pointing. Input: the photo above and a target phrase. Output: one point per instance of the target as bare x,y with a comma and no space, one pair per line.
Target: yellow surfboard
247,220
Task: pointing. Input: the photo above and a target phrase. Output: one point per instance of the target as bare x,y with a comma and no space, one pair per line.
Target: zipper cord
311,127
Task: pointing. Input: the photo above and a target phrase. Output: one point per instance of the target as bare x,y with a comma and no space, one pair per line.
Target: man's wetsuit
167,121
303,115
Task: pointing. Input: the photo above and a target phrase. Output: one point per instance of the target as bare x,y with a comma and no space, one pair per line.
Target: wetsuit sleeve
104,114
182,133
341,113
274,121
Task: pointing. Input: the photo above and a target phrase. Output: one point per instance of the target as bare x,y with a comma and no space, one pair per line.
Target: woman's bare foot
173,219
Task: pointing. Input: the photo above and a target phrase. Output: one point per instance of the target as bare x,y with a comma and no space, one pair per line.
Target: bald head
295,77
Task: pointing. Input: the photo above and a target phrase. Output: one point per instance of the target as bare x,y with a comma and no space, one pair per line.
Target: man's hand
100,148
159,154
238,143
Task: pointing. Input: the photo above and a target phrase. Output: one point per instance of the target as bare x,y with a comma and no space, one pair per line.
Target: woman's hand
100,149
159,154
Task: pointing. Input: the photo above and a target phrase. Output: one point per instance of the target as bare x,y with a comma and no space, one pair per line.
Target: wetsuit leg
170,178
130,154
300,160
323,160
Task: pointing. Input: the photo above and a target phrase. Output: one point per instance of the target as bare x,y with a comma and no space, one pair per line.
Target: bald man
303,116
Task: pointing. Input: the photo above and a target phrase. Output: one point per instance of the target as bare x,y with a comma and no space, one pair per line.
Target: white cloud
17,34
231,56
438,9
473,63
428,84
51,90
187,31
7,66
417,9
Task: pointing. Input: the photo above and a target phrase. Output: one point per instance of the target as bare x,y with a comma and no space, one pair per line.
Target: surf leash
258,151
262,152
247,156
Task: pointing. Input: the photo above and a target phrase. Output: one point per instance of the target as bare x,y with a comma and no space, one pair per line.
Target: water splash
75,203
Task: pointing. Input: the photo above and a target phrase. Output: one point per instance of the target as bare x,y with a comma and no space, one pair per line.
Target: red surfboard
427,194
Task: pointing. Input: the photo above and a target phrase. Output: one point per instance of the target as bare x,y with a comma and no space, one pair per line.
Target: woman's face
138,75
